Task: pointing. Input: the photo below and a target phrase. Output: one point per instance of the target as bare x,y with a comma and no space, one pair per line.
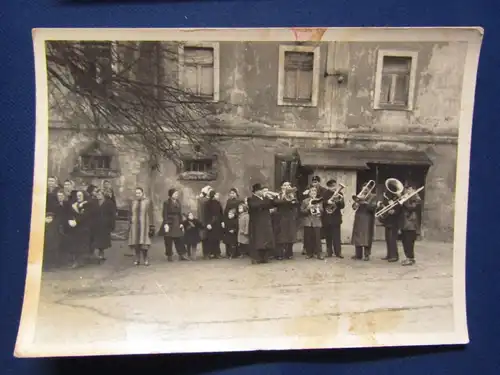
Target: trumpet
365,192
271,194
400,201
289,193
331,203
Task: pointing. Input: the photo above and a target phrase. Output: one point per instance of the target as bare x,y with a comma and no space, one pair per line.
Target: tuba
394,188
331,203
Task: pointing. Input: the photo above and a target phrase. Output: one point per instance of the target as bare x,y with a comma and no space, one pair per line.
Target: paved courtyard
219,299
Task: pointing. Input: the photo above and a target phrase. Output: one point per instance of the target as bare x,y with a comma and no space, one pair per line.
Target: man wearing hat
260,224
332,219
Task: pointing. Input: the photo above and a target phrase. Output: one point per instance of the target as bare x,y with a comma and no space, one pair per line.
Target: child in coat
243,226
231,234
192,236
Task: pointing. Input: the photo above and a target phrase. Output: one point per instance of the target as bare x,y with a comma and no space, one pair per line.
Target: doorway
413,174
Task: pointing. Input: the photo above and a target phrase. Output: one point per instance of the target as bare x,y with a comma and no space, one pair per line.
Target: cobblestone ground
209,299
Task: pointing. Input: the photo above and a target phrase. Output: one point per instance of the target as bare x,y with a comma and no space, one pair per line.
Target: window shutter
305,85
290,88
207,81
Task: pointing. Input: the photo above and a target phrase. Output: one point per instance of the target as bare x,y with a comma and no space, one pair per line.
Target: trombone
400,201
365,191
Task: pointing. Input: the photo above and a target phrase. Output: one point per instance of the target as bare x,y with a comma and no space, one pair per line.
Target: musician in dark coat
410,223
212,222
332,219
102,224
172,228
363,227
260,224
312,219
78,228
391,222
286,218
320,192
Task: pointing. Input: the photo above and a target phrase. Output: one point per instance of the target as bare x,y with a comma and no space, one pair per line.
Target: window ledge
107,173
389,107
198,176
289,103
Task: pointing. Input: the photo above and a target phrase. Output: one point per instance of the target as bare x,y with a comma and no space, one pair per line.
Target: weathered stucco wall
438,89
245,161
344,117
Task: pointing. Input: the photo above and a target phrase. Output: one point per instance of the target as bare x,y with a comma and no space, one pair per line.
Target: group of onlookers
78,222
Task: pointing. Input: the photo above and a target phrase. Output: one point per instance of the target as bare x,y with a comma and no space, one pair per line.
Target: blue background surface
17,124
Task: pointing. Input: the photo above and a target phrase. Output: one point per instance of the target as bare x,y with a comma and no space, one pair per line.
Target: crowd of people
262,227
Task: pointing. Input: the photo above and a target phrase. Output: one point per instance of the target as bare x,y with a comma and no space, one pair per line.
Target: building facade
354,111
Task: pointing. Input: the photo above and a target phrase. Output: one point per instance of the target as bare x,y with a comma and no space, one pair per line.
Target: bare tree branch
128,89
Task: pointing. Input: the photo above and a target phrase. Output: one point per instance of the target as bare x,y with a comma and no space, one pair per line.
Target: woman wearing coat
363,227
103,223
171,228
141,226
78,228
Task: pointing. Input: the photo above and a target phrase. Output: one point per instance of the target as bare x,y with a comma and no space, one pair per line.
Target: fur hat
206,190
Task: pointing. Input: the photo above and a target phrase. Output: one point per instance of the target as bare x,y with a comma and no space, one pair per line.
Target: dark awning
397,157
359,159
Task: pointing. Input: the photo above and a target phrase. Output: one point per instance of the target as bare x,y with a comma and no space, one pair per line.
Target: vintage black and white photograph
249,189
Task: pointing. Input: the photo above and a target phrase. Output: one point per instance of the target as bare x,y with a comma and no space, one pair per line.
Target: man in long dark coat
260,227
363,227
286,226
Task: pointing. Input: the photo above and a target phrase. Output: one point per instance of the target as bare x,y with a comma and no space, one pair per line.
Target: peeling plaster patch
363,93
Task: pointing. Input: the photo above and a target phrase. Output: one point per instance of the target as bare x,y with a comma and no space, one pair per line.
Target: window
298,76
395,80
95,162
198,165
199,69
198,169
98,64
